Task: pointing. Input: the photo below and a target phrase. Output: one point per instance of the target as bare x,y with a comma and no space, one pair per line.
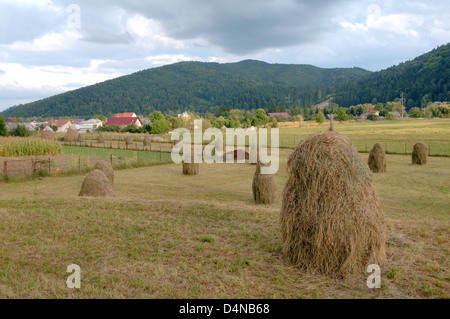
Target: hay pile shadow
96,184
377,159
420,154
147,140
71,135
263,186
332,221
106,168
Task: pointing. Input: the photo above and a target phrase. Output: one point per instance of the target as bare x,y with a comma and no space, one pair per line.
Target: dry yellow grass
166,235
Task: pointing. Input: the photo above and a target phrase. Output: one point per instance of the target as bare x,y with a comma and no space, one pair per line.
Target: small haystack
147,140
332,221
96,184
48,134
236,155
80,138
129,140
377,159
100,139
191,168
420,154
106,168
263,186
71,135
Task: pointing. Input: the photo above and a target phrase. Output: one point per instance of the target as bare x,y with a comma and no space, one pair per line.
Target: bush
2,126
372,117
341,115
21,131
415,112
390,116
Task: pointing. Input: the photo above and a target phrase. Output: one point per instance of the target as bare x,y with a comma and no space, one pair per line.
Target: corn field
28,146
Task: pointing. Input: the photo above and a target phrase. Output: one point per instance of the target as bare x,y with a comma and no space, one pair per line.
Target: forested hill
192,86
424,79
249,84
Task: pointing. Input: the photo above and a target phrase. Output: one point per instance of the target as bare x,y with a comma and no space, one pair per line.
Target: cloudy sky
52,46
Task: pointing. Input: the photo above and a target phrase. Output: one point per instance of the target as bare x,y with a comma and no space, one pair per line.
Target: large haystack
106,168
377,159
332,220
100,139
191,168
71,135
96,184
80,138
263,186
420,154
48,134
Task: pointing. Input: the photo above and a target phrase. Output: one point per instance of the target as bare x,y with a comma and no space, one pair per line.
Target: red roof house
126,115
124,121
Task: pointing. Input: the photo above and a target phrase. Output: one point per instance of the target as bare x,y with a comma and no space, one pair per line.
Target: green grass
143,156
167,235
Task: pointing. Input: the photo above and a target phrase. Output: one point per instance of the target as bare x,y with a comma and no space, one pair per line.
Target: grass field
166,235
398,136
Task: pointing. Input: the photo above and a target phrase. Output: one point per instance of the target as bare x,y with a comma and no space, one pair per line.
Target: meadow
166,235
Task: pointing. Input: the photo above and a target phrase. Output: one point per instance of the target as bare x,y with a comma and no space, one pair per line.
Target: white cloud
48,42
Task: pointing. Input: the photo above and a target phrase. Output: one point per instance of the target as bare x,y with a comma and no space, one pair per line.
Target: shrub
372,117
320,118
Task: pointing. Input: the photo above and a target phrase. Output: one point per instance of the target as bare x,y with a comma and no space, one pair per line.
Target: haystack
129,140
191,168
101,139
420,154
377,159
263,186
106,168
80,138
48,134
332,221
236,155
96,184
71,135
147,140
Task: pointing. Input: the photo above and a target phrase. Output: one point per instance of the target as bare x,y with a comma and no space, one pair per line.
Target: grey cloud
102,36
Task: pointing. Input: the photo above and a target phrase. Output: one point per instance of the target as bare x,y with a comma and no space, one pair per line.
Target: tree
390,116
320,117
3,131
261,118
384,113
159,127
54,128
100,117
415,112
372,117
341,115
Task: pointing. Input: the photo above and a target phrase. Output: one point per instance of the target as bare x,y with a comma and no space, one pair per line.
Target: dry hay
263,186
332,221
80,138
236,155
101,139
96,184
191,168
48,134
71,135
420,154
377,159
106,168
147,140
129,140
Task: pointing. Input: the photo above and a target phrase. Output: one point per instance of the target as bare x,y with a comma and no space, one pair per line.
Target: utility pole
288,101
402,105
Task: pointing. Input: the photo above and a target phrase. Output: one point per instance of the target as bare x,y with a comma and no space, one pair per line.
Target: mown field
166,235
396,136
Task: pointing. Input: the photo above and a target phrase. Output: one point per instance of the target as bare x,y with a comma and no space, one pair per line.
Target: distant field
166,235
393,135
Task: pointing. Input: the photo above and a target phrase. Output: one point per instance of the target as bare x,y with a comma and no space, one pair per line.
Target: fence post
160,154
366,147
405,149
429,149
386,147
49,166
5,168
111,158
79,163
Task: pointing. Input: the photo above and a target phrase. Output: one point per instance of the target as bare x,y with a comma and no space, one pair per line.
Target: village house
62,125
92,124
126,115
124,121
